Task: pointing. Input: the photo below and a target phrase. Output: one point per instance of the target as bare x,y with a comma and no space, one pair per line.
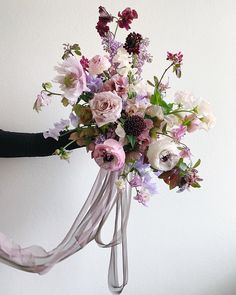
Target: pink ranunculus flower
109,155
106,107
98,64
71,78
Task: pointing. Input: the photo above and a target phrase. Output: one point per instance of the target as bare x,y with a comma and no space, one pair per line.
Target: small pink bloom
84,62
179,132
106,107
194,125
142,197
98,64
136,181
109,155
71,78
176,58
185,153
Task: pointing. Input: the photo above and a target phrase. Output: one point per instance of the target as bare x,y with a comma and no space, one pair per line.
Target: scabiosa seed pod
134,125
132,43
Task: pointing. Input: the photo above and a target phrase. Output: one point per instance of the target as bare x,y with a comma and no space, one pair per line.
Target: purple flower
93,83
74,120
55,132
110,45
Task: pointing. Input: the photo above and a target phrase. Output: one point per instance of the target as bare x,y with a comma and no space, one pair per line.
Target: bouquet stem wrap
103,196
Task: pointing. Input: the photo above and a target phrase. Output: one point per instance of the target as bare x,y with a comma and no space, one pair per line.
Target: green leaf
77,51
150,83
195,185
182,166
197,163
156,98
86,96
132,140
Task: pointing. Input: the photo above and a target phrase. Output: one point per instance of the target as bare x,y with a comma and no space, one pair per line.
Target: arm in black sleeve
17,144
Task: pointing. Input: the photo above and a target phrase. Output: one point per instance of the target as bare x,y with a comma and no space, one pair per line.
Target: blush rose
106,107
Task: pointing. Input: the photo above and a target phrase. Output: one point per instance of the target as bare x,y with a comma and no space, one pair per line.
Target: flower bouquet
131,128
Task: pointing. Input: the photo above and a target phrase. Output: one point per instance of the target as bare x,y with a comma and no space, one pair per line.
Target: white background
182,244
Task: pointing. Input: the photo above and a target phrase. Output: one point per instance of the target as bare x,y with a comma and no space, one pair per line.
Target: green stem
52,93
69,144
164,74
181,111
115,31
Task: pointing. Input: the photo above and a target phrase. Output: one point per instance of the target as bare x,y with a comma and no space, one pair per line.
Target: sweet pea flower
106,107
58,127
41,101
98,64
142,197
179,132
109,155
126,17
136,181
71,78
163,154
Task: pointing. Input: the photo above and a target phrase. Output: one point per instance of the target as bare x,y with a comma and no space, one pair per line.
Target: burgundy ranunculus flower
126,17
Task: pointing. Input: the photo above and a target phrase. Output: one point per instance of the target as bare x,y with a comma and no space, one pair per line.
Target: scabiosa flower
126,17
134,125
190,179
132,43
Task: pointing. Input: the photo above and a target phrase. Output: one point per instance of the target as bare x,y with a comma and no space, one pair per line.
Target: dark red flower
132,43
84,62
104,19
126,17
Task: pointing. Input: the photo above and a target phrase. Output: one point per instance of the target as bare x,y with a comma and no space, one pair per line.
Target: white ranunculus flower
163,154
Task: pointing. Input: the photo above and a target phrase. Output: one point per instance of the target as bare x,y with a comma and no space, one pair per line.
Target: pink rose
109,155
71,78
98,64
106,107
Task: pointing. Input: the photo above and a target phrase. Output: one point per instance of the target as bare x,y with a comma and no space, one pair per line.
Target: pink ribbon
88,225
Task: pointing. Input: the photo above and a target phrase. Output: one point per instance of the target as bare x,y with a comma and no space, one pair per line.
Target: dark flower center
108,158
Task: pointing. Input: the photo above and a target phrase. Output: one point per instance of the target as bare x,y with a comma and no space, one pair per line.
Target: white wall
182,244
